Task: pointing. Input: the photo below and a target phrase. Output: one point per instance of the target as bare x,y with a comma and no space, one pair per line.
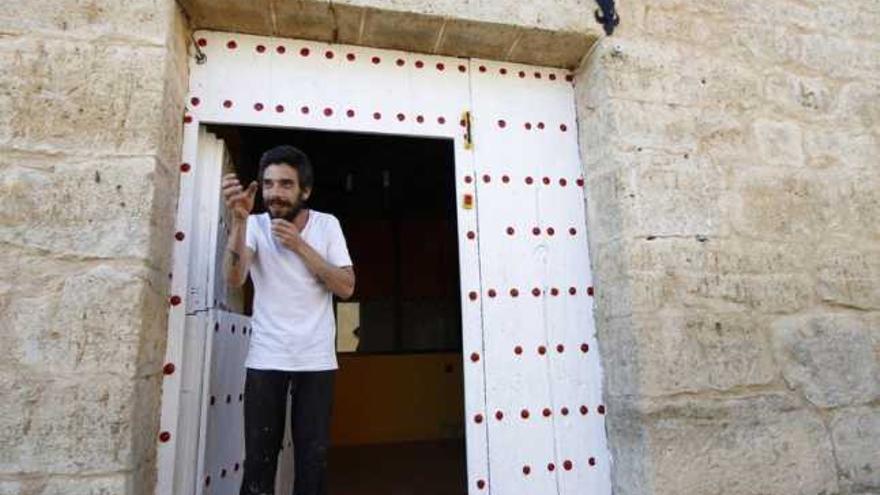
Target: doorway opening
398,416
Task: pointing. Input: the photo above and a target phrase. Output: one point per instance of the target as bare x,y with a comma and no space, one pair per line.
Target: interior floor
414,468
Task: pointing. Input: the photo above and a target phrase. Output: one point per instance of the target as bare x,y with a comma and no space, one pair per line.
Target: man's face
282,194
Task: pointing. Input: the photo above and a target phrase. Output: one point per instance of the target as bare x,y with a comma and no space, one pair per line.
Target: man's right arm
238,257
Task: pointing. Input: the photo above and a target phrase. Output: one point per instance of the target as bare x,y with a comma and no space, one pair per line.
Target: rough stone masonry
732,151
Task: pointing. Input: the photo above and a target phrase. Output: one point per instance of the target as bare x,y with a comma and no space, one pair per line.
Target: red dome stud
349,113
304,110
236,467
280,49
304,52
400,62
540,125
440,66
168,369
580,182
350,57
280,108
590,291
187,119
401,117
563,127
501,123
560,348
537,75
468,179
227,103
481,484
584,410
203,42
420,119
505,179
572,290
478,418
499,415
482,68
510,231
462,68
261,48
551,467
551,231
492,293
524,414
529,180
328,54
376,60
179,235
473,296
164,436
486,178
554,291
564,411
185,167
585,348
502,71
546,181
175,300
592,461
569,78
536,231
514,293
526,470
528,126
518,350
563,182
572,231
552,77
419,64
222,473
207,481
441,120
567,465
536,292
475,357
601,409
377,116
258,107
231,44
328,112
471,235
547,412
195,101
522,74
542,350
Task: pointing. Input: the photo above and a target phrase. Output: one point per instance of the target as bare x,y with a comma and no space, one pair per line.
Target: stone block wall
732,151
91,101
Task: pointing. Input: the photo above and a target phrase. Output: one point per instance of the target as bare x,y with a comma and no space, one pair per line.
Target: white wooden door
543,379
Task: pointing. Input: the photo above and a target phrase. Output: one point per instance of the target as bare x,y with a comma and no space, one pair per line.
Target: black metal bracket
608,17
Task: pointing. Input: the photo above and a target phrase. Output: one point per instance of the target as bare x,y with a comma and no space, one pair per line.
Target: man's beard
291,212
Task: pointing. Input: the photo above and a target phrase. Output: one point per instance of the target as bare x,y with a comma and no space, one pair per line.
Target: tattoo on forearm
235,257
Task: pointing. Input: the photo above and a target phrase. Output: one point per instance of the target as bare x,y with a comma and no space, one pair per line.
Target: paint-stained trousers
265,401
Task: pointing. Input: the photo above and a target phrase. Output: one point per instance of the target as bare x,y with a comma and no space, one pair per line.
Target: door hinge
468,137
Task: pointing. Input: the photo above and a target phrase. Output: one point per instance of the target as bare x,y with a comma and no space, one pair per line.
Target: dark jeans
265,400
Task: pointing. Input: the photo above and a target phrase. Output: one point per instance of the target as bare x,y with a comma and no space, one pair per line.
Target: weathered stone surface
856,435
110,484
833,359
849,277
763,445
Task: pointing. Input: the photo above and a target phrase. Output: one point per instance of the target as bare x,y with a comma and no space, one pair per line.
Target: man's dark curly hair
293,157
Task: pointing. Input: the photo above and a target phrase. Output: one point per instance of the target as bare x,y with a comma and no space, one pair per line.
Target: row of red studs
376,60
502,124
567,465
213,399
528,180
223,473
537,292
546,412
541,349
536,231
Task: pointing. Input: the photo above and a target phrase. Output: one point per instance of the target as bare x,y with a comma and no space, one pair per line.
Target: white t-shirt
293,324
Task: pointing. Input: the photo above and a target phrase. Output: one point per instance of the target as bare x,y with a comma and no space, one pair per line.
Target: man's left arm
338,280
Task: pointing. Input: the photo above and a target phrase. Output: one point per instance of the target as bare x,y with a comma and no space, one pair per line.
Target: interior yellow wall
397,398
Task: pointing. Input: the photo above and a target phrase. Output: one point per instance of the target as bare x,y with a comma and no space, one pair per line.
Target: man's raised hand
239,201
